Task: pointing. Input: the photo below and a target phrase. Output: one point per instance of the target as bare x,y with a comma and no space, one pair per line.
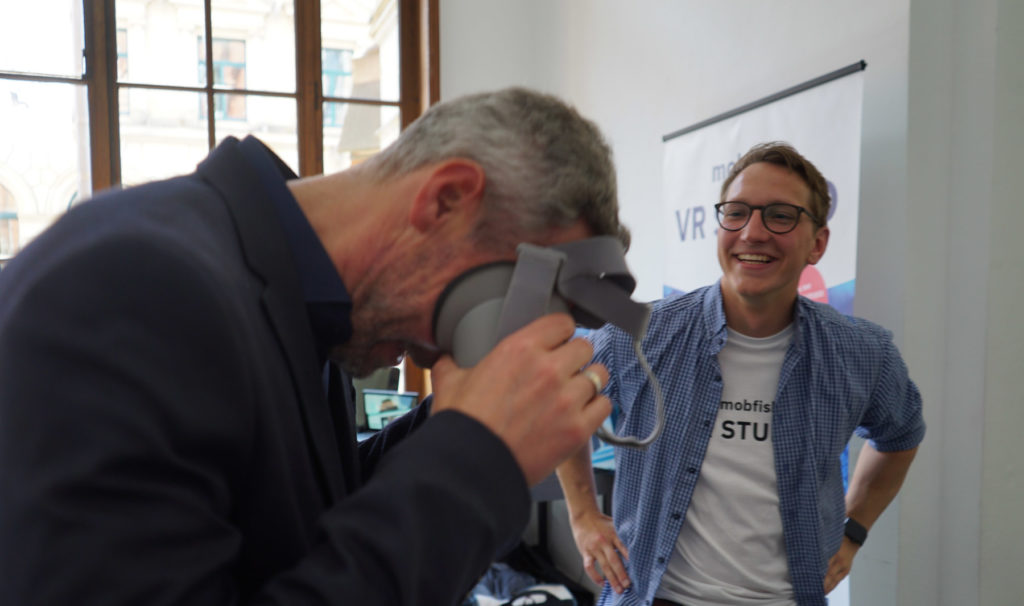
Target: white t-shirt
730,550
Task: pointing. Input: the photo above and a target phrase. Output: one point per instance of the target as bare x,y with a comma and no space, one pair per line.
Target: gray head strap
531,289
596,280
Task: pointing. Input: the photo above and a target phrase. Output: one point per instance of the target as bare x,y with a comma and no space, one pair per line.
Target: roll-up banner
821,118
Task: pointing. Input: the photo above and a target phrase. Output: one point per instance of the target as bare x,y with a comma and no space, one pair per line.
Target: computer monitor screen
382,406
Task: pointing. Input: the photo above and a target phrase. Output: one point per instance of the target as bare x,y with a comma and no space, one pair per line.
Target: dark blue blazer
165,437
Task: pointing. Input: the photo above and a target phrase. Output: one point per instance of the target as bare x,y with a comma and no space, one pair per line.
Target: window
44,146
96,93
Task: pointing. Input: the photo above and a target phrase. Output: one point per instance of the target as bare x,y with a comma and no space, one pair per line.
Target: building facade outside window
122,69
228,72
8,226
337,80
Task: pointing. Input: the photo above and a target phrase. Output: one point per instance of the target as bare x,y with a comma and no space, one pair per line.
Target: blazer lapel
266,251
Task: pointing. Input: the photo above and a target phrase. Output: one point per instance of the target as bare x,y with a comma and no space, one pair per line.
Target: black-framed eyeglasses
777,217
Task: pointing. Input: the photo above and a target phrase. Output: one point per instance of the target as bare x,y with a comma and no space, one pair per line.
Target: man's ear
820,244
453,186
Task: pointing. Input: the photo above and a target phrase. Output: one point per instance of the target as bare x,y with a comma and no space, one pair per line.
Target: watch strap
855,531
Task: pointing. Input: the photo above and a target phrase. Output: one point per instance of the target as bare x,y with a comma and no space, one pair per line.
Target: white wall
942,120
1002,538
961,514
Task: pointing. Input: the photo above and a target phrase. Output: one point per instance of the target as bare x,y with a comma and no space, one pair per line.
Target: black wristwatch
855,531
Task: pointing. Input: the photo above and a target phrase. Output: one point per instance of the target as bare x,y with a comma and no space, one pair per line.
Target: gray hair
545,165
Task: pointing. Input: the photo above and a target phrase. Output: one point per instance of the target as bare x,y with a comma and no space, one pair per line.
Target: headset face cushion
468,311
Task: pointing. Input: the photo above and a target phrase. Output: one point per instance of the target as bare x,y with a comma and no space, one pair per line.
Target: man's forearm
877,479
576,475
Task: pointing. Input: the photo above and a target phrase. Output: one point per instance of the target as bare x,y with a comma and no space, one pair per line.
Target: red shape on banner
812,285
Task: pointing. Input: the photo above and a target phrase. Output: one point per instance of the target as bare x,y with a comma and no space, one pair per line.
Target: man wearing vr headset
740,501
172,432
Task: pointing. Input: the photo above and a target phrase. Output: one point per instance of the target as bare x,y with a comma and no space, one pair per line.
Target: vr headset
587,279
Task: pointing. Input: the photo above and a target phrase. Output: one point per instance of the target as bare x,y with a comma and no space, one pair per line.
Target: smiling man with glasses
741,501
762,260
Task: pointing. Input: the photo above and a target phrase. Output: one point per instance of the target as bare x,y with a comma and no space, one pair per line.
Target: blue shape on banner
844,465
840,296
833,195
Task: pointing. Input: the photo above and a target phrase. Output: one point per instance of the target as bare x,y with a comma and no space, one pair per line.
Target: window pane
44,157
368,31
273,120
122,70
163,135
42,36
160,41
361,131
267,30
9,230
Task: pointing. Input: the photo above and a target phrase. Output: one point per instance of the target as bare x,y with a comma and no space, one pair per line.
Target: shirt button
718,378
707,423
692,469
676,516
661,560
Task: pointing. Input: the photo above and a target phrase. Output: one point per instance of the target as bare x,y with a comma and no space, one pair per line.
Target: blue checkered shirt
840,375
